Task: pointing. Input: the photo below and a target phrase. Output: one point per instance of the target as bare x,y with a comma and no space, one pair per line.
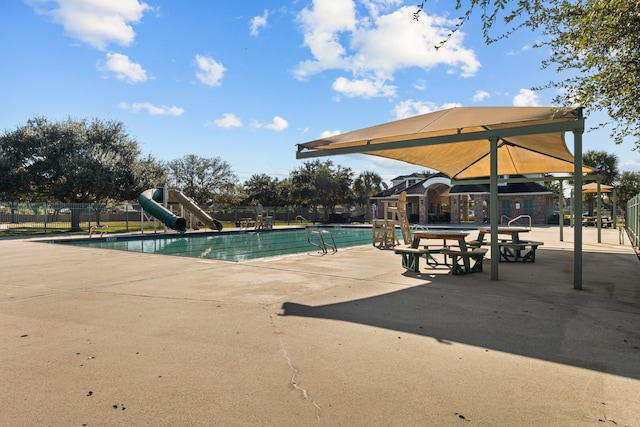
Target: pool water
235,246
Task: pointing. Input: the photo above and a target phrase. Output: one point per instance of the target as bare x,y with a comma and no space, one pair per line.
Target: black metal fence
633,220
47,218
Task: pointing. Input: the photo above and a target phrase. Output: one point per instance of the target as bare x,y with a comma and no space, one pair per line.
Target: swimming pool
233,246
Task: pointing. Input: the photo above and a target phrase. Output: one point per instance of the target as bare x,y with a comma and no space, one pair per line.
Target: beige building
431,199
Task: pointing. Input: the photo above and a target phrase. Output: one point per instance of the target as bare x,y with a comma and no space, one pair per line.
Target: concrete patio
95,337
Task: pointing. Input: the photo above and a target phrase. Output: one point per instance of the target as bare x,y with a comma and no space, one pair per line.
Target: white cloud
152,109
526,98
328,133
95,22
365,88
322,27
420,84
228,121
480,95
259,22
123,68
278,124
210,72
343,38
410,108
630,165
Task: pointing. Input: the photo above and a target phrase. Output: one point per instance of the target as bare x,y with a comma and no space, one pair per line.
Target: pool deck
92,337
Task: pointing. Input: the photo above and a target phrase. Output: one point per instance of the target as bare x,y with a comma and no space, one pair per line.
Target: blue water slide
151,201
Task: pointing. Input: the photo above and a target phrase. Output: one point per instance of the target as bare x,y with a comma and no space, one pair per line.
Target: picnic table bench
512,249
460,257
518,252
411,256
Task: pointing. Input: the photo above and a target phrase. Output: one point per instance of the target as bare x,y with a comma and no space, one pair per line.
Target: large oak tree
73,161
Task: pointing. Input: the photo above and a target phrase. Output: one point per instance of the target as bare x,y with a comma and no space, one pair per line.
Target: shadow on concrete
597,328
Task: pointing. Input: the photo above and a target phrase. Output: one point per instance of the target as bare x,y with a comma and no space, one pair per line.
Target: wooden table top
453,235
505,230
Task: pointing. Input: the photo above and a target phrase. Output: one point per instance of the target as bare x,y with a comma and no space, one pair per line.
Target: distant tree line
626,184
93,161
82,161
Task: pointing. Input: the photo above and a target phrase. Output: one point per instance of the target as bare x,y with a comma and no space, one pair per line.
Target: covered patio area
476,143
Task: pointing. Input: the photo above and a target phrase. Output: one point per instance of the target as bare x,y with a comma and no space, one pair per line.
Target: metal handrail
520,217
418,227
302,219
322,244
102,229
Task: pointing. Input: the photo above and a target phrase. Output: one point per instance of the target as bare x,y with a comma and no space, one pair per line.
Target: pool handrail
519,217
322,244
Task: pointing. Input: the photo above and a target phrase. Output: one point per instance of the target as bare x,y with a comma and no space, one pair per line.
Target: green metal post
577,229
493,211
599,216
615,210
561,215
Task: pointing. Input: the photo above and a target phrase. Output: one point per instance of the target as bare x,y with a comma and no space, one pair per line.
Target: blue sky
246,81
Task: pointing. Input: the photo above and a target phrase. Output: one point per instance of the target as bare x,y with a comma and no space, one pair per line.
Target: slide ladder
194,209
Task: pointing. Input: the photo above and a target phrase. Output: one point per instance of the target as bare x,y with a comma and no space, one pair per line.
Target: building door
528,207
506,208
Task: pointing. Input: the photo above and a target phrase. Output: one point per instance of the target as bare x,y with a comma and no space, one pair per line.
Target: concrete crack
294,371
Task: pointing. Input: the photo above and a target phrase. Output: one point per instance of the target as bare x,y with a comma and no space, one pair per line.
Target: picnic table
593,221
245,222
452,245
512,248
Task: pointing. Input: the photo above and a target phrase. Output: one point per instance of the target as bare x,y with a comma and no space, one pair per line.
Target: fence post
45,217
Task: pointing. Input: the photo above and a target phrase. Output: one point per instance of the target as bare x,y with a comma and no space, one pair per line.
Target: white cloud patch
228,121
95,22
364,88
420,85
481,95
258,22
526,98
377,42
210,72
152,109
278,124
328,133
123,68
410,108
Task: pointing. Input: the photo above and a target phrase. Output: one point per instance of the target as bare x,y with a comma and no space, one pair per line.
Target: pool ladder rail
317,239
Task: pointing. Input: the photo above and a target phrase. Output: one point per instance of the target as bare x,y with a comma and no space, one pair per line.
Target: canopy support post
615,210
599,205
493,211
577,229
561,215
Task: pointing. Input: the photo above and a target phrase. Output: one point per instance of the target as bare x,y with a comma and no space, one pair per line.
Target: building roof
510,188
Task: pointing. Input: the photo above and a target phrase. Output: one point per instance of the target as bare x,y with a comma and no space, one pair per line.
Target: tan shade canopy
457,141
592,187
